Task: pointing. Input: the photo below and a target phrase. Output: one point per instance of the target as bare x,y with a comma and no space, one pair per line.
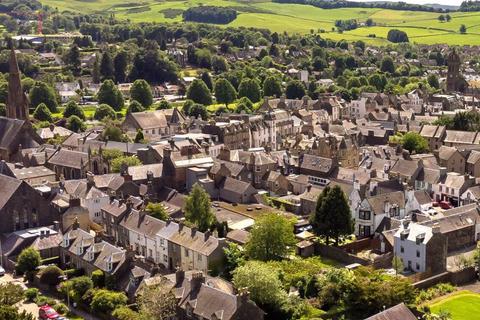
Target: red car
445,205
46,313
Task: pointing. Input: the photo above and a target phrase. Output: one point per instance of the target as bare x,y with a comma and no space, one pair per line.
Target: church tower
17,101
455,81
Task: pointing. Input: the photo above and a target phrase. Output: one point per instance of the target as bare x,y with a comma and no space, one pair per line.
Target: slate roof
8,187
316,163
234,185
398,312
377,202
141,222
474,157
11,129
69,158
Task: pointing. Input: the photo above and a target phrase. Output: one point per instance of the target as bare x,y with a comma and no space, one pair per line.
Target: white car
2,271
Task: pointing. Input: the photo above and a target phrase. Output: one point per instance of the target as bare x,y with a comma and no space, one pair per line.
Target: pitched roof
234,185
398,312
316,163
10,131
377,202
8,187
141,222
68,158
474,157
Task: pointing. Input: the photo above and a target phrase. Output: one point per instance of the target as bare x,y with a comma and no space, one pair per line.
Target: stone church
16,131
455,80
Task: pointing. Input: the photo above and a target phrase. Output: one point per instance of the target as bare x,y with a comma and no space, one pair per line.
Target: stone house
452,159
372,210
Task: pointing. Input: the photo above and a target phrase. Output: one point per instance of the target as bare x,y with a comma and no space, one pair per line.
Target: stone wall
457,278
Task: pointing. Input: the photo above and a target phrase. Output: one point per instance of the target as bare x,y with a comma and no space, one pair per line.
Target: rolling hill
421,27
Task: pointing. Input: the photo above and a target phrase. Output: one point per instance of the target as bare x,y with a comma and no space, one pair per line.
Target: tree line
210,14
326,4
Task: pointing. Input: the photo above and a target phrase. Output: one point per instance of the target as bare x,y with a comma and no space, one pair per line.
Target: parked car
46,313
2,271
445,205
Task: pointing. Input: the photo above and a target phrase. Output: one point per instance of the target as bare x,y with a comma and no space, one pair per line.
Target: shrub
31,294
98,278
124,313
28,261
61,308
51,275
106,301
43,300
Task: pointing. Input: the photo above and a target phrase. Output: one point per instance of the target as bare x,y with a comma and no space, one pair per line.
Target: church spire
17,101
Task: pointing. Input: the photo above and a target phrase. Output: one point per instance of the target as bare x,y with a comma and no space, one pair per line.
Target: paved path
475,287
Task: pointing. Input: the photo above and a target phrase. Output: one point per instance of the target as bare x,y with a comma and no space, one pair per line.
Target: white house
410,245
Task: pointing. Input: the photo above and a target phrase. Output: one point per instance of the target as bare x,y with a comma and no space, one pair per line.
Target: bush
51,275
104,111
31,294
125,313
438,290
61,308
106,301
77,287
42,300
98,278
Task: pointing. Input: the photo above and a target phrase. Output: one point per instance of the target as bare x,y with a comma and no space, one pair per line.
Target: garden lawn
462,305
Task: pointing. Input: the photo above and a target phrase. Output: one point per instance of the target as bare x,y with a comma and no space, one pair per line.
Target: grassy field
462,305
421,27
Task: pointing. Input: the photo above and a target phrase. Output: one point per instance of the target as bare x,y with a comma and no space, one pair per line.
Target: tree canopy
271,238
198,209
332,216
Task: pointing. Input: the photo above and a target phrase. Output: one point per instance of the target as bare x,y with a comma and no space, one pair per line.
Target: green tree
142,92
51,275
414,142
10,294
139,137
163,105
234,258
272,87
104,111
12,313
73,109
198,209
43,93
125,313
157,210
109,94
130,161
107,69
271,238
76,124
73,59
207,79
387,65
332,216
198,110
77,287
433,81
106,301
135,106
198,92
295,90
96,70
224,91
397,264
120,63
28,261
463,29
157,302
262,281
250,89
42,113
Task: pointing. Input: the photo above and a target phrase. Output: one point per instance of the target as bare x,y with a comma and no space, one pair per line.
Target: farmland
421,27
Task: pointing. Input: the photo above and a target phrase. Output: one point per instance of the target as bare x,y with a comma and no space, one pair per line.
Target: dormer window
109,266
66,242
